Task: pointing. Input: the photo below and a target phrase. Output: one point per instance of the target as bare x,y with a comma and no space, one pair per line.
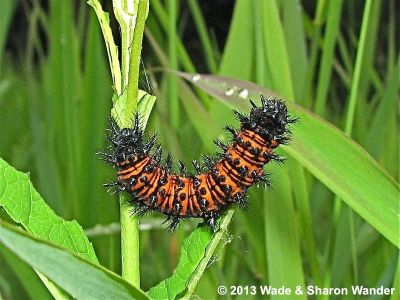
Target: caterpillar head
271,119
127,142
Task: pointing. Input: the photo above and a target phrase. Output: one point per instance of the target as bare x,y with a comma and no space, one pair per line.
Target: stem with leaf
131,16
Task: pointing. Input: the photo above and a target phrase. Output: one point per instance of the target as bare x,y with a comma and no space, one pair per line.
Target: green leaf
196,252
112,49
192,252
348,171
145,106
25,206
80,278
337,161
27,277
281,235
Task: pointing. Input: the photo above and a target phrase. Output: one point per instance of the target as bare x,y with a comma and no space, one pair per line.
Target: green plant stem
129,243
131,16
129,223
134,62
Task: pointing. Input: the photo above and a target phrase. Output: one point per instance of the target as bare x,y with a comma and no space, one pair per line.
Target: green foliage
191,255
78,277
25,206
332,216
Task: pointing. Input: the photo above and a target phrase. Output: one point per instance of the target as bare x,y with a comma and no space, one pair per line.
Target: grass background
55,92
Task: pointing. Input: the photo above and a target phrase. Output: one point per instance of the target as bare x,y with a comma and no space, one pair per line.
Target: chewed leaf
25,206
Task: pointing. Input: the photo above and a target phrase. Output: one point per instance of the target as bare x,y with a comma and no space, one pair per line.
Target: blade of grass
278,61
292,39
282,238
183,57
7,8
315,36
203,34
172,83
364,48
370,6
261,72
63,61
240,33
328,47
163,18
388,104
191,102
296,45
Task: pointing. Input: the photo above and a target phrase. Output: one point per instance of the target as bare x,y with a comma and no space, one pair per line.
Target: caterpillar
219,181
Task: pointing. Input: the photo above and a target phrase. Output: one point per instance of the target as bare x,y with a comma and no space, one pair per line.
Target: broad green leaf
80,278
25,206
337,161
196,253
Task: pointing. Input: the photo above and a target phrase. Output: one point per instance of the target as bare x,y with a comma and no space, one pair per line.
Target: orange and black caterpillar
219,182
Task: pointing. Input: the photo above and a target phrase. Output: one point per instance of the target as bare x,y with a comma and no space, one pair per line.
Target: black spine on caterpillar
218,183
